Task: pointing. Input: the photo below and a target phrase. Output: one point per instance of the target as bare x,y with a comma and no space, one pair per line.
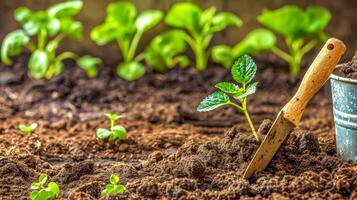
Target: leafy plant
164,51
113,187
27,129
122,25
297,26
200,26
41,192
243,71
50,27
256,41
116,132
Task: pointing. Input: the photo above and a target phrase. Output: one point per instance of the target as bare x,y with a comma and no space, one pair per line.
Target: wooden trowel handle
314,78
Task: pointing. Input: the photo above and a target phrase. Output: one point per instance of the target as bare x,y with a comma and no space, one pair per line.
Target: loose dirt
172,151
349,69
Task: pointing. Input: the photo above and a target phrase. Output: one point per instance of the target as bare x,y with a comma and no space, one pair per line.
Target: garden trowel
289,117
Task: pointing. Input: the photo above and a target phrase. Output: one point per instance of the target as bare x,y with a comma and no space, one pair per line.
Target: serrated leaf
213,101
130,71
227,87
251,88
103,133
244,69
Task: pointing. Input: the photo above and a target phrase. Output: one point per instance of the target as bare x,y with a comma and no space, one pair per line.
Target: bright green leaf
42,179
12,45
213,101
119,189
65,9
71,28
53,26
225,19
89,64
118,132
22,15
249,91
223,54
318,19
38,64
112,116
227,87
54,188
103,133
105,33
148,19
130,71
244,69
122,12
114,179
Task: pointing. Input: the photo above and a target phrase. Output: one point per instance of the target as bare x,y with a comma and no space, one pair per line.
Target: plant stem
42,37
66,55
201,58
134,45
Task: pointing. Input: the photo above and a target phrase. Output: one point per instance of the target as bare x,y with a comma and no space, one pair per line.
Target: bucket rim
337,77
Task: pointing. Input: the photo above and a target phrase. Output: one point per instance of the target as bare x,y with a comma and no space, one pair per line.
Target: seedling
200,26
296,26
243,71
113,187
27,129
116,132
50,27
164,51
122,25
41,192
255,42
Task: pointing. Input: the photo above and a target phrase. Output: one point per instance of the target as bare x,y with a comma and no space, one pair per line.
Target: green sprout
27,129
122,26
50,27
41,192
116,132
296,26
113,187
200,25
243,71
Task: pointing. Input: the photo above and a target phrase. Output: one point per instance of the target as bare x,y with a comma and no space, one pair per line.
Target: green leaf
27,129
119,189
65,9
105,33
35,186
22,15
213,101
223,54
227,87
12,45
118,132
53,26
42,179
121,12
54,188
287,21
109,190
89,64
256,41
114,179
130,71
183,61
112,116
103,133
148,19
225,19
38,64
185,15
34,194
207,16
244,69
42,195
71,28
249,91
58,68
318,19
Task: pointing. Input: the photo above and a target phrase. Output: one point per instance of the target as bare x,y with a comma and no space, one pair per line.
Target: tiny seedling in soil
41,192
50,27
122,26
243,71
296,26
165,51
27,129
200,26
113,187
116,132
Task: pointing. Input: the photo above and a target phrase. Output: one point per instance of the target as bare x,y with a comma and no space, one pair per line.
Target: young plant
122,26
200,26
297,27
164,51
243,71
49,27
113,187
255,42
27,129
116,132
41,192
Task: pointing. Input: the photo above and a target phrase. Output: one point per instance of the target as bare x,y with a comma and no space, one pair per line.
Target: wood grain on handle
314,78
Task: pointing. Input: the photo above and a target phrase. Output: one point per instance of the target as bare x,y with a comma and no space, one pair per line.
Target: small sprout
114,187
243,71
41,192
116,132
27,129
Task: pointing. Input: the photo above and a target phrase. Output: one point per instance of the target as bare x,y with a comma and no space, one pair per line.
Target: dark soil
172,151
349,69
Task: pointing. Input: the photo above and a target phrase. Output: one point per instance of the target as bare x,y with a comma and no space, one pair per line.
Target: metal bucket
344,96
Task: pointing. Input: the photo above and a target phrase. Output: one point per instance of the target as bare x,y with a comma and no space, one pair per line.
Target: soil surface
349,69
172,151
